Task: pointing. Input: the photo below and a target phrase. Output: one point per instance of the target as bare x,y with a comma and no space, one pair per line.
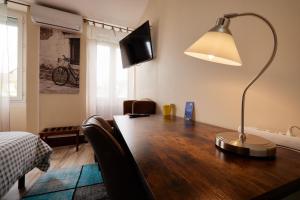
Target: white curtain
4,69
108,84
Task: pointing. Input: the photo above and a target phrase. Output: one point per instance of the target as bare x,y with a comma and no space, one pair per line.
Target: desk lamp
217,45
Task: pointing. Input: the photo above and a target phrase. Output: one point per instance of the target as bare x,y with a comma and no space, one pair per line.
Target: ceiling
119,12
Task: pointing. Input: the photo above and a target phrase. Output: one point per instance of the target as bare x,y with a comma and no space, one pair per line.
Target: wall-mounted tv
137,47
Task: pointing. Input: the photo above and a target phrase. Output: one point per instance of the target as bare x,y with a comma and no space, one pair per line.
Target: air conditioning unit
49,17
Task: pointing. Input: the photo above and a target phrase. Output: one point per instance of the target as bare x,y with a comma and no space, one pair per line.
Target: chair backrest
99,121
127,106
120,177
139,107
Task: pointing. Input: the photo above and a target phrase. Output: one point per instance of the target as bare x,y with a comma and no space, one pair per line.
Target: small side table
59,131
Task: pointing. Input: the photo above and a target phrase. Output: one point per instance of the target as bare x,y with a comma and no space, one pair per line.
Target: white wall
32,74
272,103
50,110
65,109
173,77
18,116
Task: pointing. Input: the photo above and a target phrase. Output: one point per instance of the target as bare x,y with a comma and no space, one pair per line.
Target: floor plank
62,157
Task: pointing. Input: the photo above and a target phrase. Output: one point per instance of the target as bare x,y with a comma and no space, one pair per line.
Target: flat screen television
137,47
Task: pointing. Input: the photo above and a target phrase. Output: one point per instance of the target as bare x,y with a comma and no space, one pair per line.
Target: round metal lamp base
253,146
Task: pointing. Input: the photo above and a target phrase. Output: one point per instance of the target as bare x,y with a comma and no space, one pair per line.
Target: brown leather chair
120,175
139,107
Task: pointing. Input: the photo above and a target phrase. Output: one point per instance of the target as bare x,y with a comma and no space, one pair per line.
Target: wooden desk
180,161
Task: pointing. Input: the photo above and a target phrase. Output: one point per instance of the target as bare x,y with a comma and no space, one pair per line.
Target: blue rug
83,182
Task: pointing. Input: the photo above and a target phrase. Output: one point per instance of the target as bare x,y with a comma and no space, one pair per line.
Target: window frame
21,66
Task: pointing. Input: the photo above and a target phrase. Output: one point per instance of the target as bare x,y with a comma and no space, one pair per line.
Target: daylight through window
13,50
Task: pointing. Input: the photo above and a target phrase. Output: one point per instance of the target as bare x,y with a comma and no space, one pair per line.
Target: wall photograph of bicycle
59,62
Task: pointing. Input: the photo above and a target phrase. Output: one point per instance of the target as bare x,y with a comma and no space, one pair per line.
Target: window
112,79
14,30
108,83
74,51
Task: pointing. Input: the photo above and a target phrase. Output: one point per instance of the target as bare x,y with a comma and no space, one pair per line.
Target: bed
20,152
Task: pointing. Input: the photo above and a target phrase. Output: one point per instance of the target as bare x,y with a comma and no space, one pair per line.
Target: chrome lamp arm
242,135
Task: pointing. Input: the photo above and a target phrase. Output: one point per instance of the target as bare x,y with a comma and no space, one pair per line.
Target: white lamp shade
216,47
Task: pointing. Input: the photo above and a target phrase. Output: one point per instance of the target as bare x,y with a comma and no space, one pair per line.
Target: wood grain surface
179,160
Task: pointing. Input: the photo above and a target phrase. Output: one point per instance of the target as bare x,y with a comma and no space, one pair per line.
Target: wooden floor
62,157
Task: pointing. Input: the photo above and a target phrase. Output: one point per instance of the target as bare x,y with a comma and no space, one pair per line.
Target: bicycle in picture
64,73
